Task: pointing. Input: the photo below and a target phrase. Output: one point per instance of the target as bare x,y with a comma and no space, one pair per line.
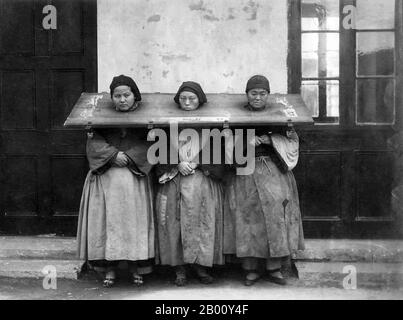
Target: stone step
33,268
51,247
353,251
38,247
343,275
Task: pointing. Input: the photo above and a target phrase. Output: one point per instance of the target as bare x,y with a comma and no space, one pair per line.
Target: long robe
189,211
262,215
116,211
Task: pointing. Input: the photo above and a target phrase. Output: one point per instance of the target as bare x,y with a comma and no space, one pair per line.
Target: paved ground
228,286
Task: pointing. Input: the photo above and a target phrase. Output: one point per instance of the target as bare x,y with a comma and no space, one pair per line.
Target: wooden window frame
348,64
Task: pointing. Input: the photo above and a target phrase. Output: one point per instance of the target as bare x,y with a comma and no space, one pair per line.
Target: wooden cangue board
159,110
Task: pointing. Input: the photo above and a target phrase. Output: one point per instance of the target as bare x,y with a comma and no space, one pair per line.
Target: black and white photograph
220,152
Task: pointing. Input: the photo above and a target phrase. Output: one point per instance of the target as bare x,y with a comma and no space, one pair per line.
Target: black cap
123,80
258,82
192,87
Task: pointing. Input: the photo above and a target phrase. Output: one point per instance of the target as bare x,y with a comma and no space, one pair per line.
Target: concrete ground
228,286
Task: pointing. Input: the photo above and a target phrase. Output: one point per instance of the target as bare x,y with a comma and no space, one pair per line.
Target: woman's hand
121,160
265,139
193,165
185,168
255,141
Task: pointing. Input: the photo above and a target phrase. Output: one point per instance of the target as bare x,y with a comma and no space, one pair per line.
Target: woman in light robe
262,214
189,203
116,212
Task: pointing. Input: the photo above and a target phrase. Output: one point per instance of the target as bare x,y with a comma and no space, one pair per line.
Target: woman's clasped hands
257,141
121,160
187,168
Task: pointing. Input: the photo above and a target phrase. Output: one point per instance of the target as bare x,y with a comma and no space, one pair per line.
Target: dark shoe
251,278
202,275
137,279
272,276
181,279
206,279
109,280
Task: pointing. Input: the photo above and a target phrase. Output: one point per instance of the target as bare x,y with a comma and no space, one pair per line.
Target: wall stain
197,6
251,9
228,74
154,18
172,57
252,31
165,73
200,7
230,14
210,17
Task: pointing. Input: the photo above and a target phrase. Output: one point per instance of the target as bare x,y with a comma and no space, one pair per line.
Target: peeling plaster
154,18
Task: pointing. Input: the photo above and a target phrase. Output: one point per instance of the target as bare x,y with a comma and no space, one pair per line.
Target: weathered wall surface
217,43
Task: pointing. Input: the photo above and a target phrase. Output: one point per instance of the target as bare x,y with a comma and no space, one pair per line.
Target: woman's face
188,101
257,98
123,98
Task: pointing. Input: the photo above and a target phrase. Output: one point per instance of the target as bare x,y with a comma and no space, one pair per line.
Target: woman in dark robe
116,212
189,202
262,214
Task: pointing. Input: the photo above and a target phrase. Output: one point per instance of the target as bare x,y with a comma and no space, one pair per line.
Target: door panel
68,39
17,28
321,193
21,193
18,99
68,174
374,185
67,86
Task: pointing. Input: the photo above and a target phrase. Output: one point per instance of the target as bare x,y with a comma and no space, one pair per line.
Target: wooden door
42,74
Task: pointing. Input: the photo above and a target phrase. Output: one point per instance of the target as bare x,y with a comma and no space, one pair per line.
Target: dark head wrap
258,82
123,80
192,87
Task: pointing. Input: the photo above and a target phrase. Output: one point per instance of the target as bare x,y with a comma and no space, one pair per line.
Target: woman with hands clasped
116,212
189,202
263,224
